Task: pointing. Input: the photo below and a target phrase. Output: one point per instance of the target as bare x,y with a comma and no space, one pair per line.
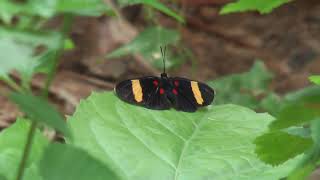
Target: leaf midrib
186,144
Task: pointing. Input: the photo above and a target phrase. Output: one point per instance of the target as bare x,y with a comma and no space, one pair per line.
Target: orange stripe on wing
137,90
196,92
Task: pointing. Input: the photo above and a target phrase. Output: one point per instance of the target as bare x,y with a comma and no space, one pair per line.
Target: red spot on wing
161,91
176,83
155,82
174,91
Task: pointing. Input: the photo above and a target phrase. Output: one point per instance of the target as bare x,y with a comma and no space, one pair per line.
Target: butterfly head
164,75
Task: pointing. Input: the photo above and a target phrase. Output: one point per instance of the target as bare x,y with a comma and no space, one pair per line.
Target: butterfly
161,93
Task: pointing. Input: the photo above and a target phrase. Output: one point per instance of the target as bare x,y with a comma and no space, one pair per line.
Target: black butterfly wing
189,94
143,92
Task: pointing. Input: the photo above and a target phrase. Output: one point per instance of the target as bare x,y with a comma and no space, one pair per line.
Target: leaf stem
13,84
65,29
26,150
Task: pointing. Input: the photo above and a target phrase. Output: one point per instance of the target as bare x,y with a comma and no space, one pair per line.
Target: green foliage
62,161
68,44
42,8
262,6
148,43
301,173
214,143
298,131
309,94
298,108
40,110
47,162
49,8
299,111
154,4
271,103
82,7
294,115
28,50
315,129
19,52
244,89
250,89
311,159
12,142
315,79
272,149
16,61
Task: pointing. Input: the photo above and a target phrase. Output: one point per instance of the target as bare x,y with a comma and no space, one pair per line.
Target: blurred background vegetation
65,49
89,45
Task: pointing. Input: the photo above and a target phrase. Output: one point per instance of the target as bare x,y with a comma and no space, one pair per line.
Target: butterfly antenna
163,52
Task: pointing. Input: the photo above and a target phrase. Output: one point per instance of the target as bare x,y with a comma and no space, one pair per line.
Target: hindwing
191,94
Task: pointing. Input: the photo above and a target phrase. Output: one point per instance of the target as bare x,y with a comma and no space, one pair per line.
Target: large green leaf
2,177
148,43
263,6
243,89
62,161
138,143
40,110
12,142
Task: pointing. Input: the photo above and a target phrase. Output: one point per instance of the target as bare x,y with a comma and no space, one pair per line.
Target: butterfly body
165,92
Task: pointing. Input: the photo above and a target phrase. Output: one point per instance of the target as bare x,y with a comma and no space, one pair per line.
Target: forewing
143,92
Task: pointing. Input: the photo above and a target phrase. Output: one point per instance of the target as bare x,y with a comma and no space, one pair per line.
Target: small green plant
147,44
248,89
295,131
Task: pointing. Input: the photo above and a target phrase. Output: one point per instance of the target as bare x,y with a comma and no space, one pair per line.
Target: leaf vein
105,151
171,130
